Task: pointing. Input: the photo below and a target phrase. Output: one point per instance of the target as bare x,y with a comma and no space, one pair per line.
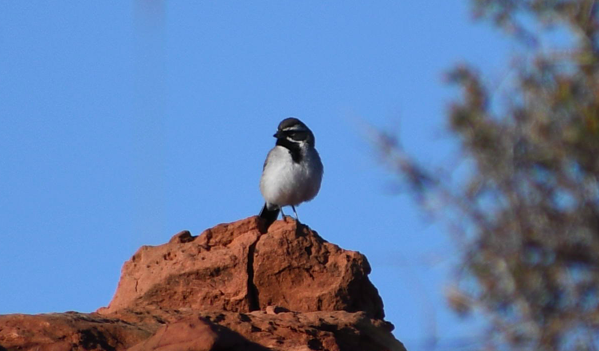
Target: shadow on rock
198,334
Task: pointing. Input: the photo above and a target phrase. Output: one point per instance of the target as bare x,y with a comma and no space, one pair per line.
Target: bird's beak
278,134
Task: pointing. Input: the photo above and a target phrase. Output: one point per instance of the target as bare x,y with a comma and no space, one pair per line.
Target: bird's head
293,130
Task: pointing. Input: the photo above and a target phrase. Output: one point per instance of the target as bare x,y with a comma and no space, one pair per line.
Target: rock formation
230,288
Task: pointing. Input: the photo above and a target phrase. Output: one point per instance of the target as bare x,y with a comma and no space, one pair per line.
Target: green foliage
529,212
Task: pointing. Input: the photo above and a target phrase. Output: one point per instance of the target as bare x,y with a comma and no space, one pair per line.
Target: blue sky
122,123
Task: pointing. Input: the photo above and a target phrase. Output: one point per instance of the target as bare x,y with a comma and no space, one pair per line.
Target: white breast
285,182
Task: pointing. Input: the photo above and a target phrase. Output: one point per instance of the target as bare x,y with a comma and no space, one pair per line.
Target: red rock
259,331
296,269
68,331
232,267
198,331
208,272
198,334
231,288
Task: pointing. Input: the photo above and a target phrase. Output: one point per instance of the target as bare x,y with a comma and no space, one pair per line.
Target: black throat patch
294,149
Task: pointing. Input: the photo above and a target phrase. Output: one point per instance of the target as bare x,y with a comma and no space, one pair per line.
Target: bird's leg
283,214
294,211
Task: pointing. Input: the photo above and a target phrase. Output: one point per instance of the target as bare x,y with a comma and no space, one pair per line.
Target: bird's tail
269,215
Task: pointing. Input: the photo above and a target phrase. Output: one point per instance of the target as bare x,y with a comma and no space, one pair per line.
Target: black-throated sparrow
292,171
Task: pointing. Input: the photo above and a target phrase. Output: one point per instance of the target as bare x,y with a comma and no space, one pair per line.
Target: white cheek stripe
301,142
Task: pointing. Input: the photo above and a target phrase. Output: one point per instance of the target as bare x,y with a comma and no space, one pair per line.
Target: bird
292,172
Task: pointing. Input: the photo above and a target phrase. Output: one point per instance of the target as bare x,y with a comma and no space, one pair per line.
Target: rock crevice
253,293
